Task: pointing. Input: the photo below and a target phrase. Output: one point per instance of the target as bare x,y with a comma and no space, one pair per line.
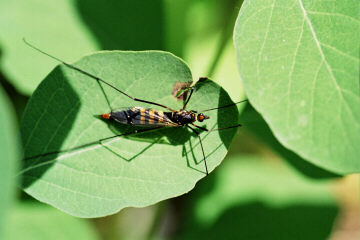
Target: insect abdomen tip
105,115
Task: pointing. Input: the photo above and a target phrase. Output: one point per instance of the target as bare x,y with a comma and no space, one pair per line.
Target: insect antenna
223,128
95,77
225,106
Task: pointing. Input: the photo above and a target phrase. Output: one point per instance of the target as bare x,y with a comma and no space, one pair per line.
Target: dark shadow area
125,24
113,151
17,99
258,221
192,161
39,140
252,219
227,117
165,135
253,121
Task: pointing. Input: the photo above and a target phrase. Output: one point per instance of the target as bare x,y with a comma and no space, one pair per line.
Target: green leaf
254,198
39,222
299,61
9,156
70,29
135,171
253,122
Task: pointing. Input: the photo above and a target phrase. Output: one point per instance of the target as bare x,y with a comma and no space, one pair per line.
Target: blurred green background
261,191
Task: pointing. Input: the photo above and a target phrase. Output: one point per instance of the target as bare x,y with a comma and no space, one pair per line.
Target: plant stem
233,6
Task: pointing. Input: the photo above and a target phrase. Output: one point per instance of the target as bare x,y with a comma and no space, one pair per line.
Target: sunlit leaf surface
135,171
299,61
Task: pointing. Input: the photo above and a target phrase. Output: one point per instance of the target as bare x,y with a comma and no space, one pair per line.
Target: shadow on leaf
57,127
256,124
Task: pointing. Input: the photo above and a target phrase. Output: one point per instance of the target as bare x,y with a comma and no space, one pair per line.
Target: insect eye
200,117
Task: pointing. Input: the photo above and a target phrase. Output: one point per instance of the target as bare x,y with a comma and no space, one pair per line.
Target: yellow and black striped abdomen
141,117
150,117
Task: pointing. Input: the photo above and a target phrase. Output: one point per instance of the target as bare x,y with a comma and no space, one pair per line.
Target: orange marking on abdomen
161,116
142,115
105,115
151,116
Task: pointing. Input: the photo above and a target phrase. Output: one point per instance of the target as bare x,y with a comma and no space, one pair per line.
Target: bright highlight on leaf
100,179
299,61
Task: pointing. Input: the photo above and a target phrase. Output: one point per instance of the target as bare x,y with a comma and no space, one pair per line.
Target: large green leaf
136,171
34,221
253,122
299,61
9,156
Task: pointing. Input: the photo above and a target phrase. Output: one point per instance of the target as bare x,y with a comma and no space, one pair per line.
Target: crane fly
151,119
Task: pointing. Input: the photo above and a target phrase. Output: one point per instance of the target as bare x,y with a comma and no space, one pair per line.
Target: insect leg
191,92
202,148
94,142
224,128
96,78
188,99
216,129
202,128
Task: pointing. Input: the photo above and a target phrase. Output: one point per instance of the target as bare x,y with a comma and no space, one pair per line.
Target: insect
150,119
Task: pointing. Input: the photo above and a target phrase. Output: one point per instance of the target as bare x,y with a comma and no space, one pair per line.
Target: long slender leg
219,129
202,128
97,78
224,128
202,147
94,142
216,129
191,92
188,99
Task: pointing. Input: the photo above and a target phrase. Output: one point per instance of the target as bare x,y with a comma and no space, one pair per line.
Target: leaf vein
317,42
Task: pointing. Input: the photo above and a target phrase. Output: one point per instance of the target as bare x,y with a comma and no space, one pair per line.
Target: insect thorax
183,117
